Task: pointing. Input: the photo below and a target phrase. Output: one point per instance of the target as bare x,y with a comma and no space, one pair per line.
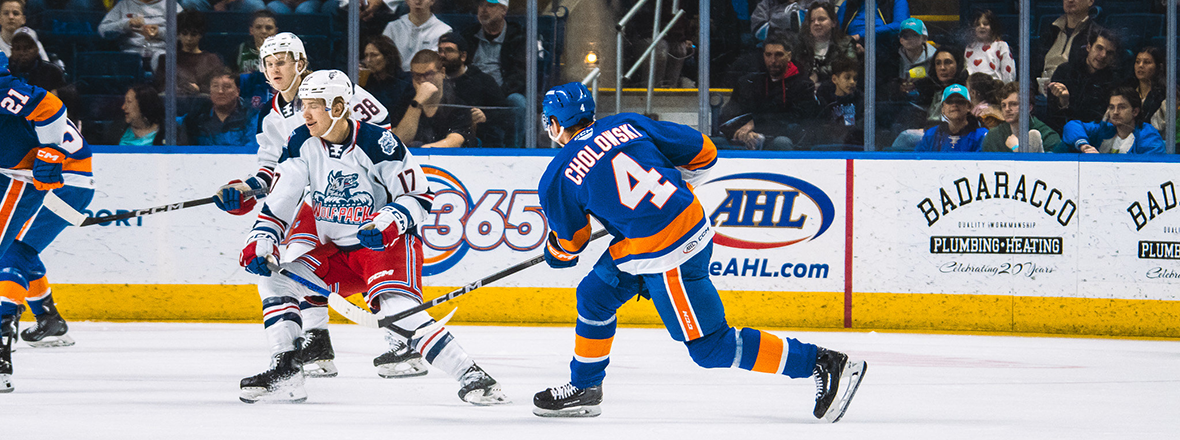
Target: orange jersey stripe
680,304
25,228
48,107
38,287
706,156
75,165
11,198
13,291
770,353
579,240
682,225
592,348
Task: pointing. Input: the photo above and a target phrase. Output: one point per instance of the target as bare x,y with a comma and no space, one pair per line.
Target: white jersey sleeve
286,196
366,108
399,172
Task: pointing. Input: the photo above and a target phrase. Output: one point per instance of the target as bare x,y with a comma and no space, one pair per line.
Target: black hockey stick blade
161,208
389,320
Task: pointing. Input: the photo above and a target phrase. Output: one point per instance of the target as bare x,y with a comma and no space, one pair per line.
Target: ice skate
49,331
317,355
9,324
282,383
400,361
478,388
836,381
568,401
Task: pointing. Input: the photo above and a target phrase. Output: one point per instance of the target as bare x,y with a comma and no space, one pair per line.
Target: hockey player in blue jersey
40,151
368,197
635,175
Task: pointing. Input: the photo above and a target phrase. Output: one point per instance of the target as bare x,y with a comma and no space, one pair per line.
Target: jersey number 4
646,181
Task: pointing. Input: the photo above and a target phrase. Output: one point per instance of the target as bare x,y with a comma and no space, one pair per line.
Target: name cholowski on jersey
338,204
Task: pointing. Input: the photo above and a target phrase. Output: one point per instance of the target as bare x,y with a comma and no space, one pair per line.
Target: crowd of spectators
1099,90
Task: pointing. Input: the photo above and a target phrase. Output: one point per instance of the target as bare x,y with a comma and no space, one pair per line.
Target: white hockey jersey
282,118
348,182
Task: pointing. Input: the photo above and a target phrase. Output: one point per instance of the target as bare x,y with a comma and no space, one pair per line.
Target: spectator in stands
766,108
987,53
25,62
1080,87
382,75
928,93
1002,138
852,17
262,26
842,105
143,111
772,17
223,5
1061,37
433,117
985,104
960,130
375,14
1149,79
194,67
913,62
295,6
1121,132
477,89
139,27
498,49
12,19
822,43
222,120
419,30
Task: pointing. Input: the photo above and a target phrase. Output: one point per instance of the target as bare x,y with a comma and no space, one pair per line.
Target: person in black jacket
1079,87
1065,36
841,106
477,89
498,49
767,107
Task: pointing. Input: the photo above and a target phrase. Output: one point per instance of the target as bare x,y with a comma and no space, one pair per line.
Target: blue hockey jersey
633,175
31,117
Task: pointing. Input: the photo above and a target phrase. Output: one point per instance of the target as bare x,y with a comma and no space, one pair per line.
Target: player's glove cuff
258,247
382,231
47,168
558,259
231,198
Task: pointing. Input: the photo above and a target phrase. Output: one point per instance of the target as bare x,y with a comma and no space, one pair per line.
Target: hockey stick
343,306
71,215
366,319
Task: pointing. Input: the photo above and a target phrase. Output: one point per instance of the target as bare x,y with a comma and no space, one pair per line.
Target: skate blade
853,374
401,370
322,368
6,383
488,397
52,341
261,395
576,411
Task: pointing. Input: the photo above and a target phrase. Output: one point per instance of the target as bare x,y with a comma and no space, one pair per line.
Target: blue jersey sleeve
684,146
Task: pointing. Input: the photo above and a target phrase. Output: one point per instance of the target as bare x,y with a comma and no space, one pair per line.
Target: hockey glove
258,247
383,230
230,197
557,258
47,168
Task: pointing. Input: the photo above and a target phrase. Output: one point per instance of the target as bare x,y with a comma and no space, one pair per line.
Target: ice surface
180,381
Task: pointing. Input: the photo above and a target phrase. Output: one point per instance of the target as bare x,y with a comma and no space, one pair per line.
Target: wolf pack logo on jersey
339,204
759,210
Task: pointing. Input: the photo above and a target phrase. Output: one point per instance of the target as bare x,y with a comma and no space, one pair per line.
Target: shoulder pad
379,144
296,141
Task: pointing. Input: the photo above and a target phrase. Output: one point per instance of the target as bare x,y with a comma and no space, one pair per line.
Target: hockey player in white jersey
285,66
369,195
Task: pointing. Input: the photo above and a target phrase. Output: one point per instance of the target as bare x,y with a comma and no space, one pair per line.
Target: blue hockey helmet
569,103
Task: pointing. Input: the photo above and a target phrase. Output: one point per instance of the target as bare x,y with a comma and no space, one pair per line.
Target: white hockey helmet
283,42
327,85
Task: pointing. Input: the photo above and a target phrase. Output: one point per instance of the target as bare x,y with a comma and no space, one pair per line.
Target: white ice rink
180,381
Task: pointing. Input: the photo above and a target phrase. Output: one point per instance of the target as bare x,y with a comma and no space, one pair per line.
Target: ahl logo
758,209
338,204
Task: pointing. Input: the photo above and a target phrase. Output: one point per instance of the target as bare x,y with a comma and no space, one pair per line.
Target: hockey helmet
569,103
327,85
283,42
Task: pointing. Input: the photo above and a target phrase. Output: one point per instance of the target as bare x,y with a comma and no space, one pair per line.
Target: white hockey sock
315,317
282,336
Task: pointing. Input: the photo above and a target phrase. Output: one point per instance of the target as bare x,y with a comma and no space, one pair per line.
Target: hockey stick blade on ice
360,316
71,215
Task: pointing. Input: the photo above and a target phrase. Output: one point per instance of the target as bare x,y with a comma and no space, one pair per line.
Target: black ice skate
400,361
836,381
568,401
282,383
9,324
478,388
317,355
50,329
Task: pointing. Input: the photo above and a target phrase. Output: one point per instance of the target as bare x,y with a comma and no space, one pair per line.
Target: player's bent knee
715,350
